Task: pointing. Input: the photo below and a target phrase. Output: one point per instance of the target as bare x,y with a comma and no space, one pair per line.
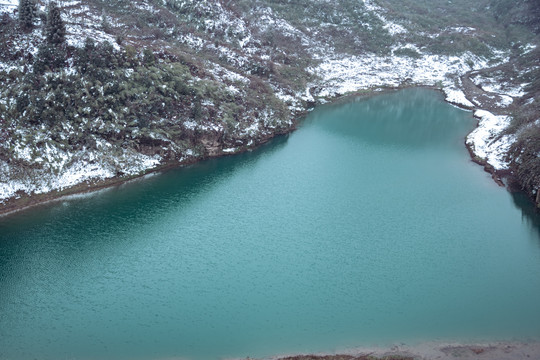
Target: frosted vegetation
137,85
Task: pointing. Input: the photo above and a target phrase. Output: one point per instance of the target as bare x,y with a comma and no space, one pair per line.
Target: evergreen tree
148,57
56,30
27,13
197,108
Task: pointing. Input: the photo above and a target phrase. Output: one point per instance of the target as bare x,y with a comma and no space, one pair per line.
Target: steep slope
139,85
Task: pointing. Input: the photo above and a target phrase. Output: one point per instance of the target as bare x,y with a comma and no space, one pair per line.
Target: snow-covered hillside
243,74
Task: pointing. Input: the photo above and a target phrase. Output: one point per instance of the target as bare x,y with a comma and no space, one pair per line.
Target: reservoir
369,225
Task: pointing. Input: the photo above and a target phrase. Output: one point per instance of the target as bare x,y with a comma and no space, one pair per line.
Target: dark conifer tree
148,57
56,30
27,14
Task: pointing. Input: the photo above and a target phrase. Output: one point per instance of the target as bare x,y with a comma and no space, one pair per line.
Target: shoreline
496,175
29,201
492,350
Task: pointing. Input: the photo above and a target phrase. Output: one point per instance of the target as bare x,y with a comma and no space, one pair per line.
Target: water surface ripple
369,225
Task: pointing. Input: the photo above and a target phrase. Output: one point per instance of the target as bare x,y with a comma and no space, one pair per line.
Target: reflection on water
419,125
368,225
530,215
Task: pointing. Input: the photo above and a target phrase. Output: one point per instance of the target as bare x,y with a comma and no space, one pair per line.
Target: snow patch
505,101
486,141
497,85
394,28
457,97
391,27
70,170
528,48
349,74
7,6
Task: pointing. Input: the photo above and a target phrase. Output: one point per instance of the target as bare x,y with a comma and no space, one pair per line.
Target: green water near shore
367,226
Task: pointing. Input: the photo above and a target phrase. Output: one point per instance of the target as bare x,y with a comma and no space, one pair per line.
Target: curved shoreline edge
27,201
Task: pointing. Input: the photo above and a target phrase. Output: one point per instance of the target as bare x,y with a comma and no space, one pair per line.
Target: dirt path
482,99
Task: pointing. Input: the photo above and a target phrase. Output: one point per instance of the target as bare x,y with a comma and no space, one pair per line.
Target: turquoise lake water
367,226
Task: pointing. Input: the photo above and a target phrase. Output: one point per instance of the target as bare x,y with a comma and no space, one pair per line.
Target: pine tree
56,30
148,57
27,13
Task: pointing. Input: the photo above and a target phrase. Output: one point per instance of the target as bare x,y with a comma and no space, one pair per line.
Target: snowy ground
8,5
487,141
88,167
350,74
338,75
499,86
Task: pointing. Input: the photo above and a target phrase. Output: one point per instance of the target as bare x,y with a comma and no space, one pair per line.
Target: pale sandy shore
433,351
